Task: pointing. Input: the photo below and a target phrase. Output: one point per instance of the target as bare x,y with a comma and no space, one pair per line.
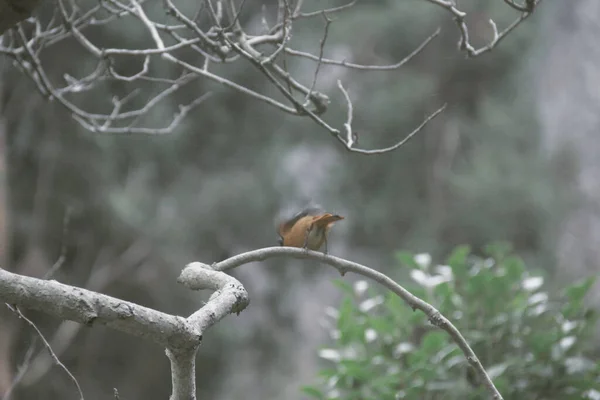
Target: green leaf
458,261
356,370
498,250
433,341
514,268
345,286
406,258
501,316
348,324
383,325
313,392
541,342
576,292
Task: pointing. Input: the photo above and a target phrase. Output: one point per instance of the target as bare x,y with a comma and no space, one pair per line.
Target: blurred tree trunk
569,109
5,327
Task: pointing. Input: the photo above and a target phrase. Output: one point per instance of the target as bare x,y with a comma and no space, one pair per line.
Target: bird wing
286,225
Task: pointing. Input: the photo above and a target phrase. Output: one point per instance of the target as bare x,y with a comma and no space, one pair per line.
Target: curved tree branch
182,336
344,266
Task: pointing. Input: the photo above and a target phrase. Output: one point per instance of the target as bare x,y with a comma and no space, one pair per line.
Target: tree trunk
569,110
5,324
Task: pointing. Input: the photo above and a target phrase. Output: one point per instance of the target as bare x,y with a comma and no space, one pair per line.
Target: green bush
532,346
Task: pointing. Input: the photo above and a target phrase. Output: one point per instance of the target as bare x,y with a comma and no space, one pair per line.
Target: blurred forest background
514,157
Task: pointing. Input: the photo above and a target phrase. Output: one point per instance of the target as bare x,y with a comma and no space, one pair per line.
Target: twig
346,64
459,18
406,139
525,8
216,44
298,14
49,348
63,247
321,50
285,33
348,124
236,19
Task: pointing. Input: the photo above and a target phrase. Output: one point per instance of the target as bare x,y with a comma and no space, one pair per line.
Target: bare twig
63,247
348,124
528,7
236,19
223,42
459,18
350,65
407,138
49,348
321,49
332,10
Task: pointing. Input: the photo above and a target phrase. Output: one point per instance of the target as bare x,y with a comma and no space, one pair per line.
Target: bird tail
326,219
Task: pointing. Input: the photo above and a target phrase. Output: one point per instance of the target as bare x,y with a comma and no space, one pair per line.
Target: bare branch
63,247
350,138
179,116
406,139
459,18
236,19
87,307
344,266
233,85
198,276
49,348
321,49
528,7
223,42
229,297
346,64
181,336
332,10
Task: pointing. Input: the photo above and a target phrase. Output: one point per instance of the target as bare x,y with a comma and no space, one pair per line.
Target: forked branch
224,40
182,336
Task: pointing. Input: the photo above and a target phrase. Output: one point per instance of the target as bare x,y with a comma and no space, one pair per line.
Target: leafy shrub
532,346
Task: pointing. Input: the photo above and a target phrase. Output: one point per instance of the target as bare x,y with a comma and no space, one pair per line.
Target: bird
307,229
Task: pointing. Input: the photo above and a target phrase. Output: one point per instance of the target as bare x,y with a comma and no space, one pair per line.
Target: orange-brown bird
308,229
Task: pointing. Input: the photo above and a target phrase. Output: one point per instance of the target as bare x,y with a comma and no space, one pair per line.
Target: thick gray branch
87,307
230,296
181,336
183,374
